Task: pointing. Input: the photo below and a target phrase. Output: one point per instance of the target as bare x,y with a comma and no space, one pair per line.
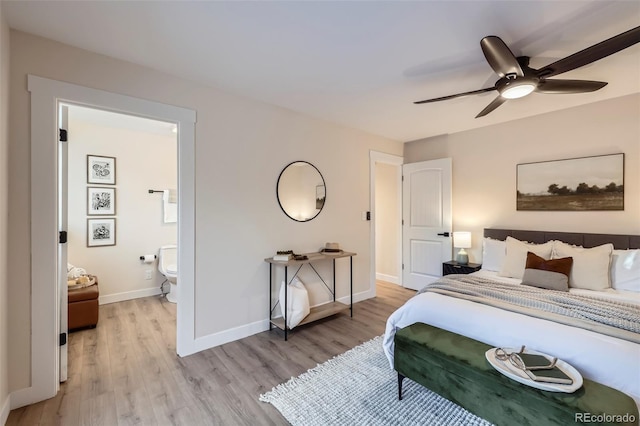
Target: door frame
63,225
46,95
394,160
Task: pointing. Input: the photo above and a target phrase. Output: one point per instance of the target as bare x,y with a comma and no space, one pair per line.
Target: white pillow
493,254
297,302
625,270
590,269
516,257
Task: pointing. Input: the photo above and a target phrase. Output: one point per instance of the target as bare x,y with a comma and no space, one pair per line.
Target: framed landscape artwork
575,184
101,170
101,201
101,232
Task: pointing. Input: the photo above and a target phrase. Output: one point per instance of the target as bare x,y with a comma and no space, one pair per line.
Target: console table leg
334,280
270,292
286,305
351,284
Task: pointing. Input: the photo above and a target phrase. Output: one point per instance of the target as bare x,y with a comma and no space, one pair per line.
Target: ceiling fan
517,79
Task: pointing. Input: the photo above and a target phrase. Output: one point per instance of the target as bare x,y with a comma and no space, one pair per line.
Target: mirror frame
324,183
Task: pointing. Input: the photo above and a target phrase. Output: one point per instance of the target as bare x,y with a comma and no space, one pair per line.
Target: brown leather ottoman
83,307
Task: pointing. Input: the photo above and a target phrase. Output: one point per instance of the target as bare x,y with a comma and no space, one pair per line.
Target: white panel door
426,219
62,248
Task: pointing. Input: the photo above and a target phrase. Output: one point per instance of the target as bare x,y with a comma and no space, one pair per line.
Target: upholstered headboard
621,242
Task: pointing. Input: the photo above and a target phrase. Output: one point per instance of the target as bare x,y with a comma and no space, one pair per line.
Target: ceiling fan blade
493,105
592,54
459,95
499,57
569,86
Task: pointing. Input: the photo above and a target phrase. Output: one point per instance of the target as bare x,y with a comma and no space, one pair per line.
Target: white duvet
604,359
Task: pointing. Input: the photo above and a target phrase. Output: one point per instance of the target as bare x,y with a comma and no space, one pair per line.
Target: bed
599,353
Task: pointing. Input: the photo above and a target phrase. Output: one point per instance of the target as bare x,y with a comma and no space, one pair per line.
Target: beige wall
144,161
4,217
241,147
485,159
387,222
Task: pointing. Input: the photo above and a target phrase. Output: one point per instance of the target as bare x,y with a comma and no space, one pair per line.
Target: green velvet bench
455,367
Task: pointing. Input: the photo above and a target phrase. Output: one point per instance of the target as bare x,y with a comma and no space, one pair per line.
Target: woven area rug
359,388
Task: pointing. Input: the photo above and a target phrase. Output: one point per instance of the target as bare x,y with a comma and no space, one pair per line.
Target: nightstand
453,267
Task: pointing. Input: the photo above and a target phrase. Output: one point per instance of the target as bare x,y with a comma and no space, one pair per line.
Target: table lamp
462,240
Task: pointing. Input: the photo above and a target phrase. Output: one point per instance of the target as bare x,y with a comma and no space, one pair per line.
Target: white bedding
604,359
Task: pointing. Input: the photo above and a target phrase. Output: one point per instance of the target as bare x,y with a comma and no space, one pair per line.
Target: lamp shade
462,239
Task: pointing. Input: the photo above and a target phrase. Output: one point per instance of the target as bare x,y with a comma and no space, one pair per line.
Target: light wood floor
126,371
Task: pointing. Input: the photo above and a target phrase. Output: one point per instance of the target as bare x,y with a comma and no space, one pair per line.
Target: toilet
168,266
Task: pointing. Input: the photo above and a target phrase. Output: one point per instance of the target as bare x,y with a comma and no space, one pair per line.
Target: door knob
444,234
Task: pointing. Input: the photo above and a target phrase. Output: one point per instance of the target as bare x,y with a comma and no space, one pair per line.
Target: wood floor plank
96,371
99,410
126,371
133,405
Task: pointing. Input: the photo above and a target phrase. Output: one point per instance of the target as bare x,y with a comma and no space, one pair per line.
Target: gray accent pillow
550,274
545,279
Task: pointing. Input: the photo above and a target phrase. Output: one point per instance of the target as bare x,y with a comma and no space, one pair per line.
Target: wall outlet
147,274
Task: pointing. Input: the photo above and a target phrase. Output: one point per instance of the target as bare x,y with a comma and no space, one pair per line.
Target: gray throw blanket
613,318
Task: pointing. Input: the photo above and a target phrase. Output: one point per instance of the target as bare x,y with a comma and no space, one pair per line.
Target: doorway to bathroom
47,332
119,171
136,155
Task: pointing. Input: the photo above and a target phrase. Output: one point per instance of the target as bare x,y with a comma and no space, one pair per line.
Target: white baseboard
230,335
358,297
4,413
237,333
128,295
22,397
388,278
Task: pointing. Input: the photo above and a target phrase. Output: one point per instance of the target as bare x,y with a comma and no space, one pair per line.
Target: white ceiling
123,121
357,63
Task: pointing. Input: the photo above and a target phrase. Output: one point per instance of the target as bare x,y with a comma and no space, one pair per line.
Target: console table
317,312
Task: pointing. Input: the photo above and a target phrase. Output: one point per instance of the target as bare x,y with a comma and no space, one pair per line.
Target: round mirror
301,191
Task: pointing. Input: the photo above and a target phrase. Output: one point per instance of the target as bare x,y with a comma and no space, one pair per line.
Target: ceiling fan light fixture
518,79
515,90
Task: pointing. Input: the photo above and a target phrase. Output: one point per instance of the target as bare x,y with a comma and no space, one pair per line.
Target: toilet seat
168,266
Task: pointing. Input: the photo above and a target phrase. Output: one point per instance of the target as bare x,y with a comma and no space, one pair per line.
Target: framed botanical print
101,232
101,170
101,201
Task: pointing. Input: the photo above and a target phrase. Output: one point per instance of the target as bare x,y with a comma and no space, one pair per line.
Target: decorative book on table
542,369
283,255
537,362
549,375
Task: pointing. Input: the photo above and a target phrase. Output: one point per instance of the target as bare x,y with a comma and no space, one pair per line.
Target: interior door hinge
63,135
62,237
63,339
403,266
